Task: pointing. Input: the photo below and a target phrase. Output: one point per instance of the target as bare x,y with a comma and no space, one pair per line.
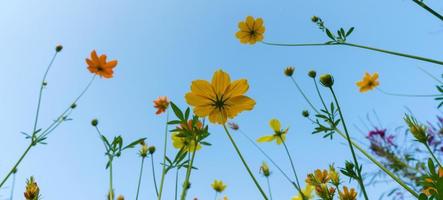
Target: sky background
161,47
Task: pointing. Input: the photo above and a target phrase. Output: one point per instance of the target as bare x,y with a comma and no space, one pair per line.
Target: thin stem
269,187
407,95
111,190
427,8
432,154
297,45
140,178
13,186
292,162
360,178
303,94
164,157
269,158
176,182
16,164
430,75
244,163
319,94
188,174
153,174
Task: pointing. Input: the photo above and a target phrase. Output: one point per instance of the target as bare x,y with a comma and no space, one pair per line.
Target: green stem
319,94
140,178
362,47
360,178
303,94
188,175
176,182
153,174
292,163
432,154
427,8
407,95
111,190
269,187
162,181
244,163
16,164
269,158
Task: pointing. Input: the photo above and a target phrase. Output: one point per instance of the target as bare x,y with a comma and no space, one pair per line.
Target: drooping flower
221,99
99,65
307,193
369,82
218,186
185,143
347,194
32,191
251,30
279,134
161,104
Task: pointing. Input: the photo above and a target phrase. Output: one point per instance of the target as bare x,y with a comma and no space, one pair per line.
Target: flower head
347,194
369,82
251,30
327,80
184,143
264,169
307,193
334,175
279,134
32,191
221,99
318,177
99,66
289,71
120,197
143,152
418,130
218,186
161,104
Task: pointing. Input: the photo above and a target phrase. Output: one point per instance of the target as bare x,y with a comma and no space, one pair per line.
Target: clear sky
161,47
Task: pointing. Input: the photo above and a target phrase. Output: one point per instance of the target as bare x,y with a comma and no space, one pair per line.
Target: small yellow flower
279,134
369,82
99,66
307,192
348,194
143,152
221,99
120,197
218,186
318,177
32,191
418,130
334,175
181,142
251,30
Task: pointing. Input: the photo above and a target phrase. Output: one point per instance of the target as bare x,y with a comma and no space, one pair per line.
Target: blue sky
161,47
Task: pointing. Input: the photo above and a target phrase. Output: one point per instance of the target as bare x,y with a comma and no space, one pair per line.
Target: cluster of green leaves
350,170
440,98
433,182
326,121
335,39
116,147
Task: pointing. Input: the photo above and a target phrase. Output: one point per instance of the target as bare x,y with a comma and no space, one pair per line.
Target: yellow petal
275,125
203,110
202,88
218,116
237,88
194,99
220,81
258,23
238,104
250,22
266,138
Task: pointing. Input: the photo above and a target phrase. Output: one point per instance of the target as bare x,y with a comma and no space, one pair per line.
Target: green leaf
132,144
177,112
349,31
330,35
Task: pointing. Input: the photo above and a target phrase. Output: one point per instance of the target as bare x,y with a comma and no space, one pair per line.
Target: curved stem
244,163
432,154
269,158
140,178
188,174
427,8
407,95
360,178
162,181
269,187
153,174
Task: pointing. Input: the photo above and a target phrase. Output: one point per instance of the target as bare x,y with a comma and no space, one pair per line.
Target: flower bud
265,169
327,80
289,71
418,130
305,113
73,106
151,150
312,73
32,191
58,48
315,19
143,151
94,122
120,197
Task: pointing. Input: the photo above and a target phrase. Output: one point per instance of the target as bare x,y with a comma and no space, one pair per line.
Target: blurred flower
99,65
218,186
418,130
185,143
264,168
251,30
279,134
289,71
143,152
318,177
151,150
369,82
334,175
120,197
346,194
32,191
161,104
221,99
234,126
58,48
431,184
307,193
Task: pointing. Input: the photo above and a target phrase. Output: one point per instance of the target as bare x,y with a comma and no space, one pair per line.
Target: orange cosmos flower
99,65
161,103
369,82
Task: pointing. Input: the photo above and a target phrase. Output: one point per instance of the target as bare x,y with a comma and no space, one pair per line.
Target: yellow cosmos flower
279,134
251,30
181,142
348,194
307,192
221,99
369,82
218,186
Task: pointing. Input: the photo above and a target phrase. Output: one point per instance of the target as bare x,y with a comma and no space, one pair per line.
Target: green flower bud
312,73
289,71
94,122
327,80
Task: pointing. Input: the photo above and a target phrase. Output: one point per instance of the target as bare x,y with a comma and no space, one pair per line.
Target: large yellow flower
369,82
251,30
307,192
181,142
221,99
279,134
